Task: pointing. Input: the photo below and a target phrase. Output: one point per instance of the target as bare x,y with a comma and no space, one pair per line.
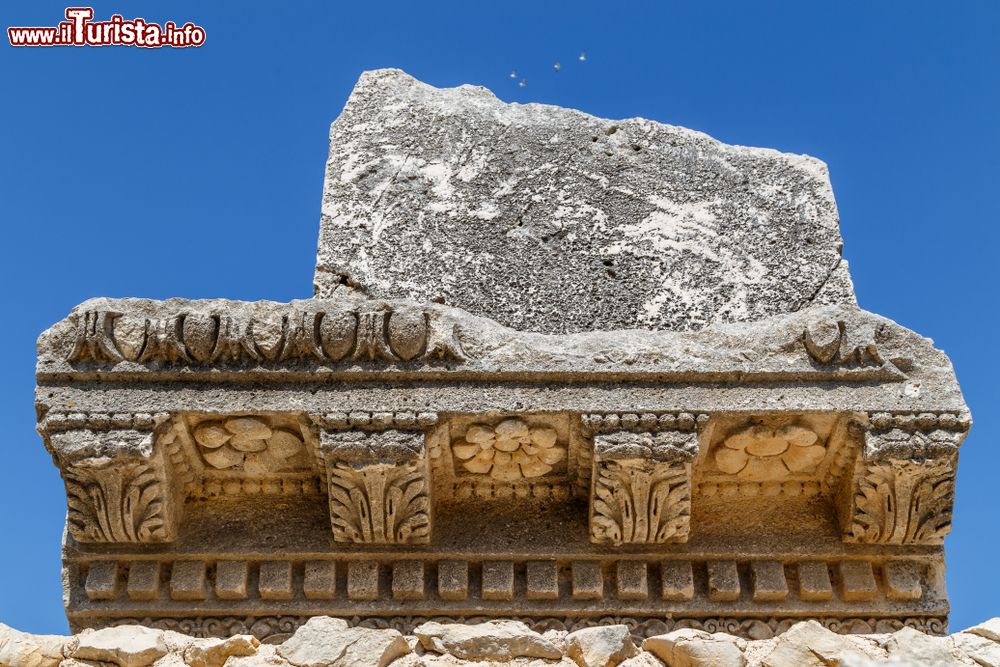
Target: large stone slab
547,219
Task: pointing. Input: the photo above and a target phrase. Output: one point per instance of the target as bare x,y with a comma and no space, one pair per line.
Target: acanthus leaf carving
114,500
383,503
904,485
378,486
641,487
640,502
903,502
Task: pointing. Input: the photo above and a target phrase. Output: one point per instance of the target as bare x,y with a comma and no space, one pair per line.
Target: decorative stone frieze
680,432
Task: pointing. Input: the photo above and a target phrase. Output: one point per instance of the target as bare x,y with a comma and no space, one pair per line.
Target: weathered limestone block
329,642
695,648
496,640
125,646
605,646
378,486
642,487
904,485
20,649
119,487
547,219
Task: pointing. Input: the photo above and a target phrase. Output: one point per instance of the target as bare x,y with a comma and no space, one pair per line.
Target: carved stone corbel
904,482
641,487
378,486
119,486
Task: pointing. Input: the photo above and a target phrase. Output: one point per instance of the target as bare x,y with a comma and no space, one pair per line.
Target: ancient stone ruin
559,369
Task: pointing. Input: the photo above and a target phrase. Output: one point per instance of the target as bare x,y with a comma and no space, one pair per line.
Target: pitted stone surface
547,219
330,642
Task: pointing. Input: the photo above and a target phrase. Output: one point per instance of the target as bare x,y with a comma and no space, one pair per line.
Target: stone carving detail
249,443
382,503
378,487
904,488
642,487
376,332
376,421
904,502
510,451
762,453
832,343
114,500
275,629
95,338
644,422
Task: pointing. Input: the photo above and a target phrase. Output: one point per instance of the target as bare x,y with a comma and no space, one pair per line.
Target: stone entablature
225,457
770,452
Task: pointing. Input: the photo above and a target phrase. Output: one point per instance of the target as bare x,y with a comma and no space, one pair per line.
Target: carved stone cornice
179,340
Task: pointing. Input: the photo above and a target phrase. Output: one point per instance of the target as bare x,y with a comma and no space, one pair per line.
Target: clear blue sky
198,173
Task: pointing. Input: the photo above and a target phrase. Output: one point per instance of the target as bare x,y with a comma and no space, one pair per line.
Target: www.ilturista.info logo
80,30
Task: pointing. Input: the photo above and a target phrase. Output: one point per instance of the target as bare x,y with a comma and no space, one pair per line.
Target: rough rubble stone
983,651
547,219
643,660
20,649
694,648
605,646
501,640
911,645
214,652
989,629
333,642
329,642
124,645
809,644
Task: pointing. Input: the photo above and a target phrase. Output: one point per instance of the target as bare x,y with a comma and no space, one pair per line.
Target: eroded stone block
857,580
677,580
408,580
723,581
902,581
588,582
469,196
814,581
143,580
453,579
768,581
362,580
187,580
102,581
231,579
498,580
275,580
630,581
542,580
320,580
